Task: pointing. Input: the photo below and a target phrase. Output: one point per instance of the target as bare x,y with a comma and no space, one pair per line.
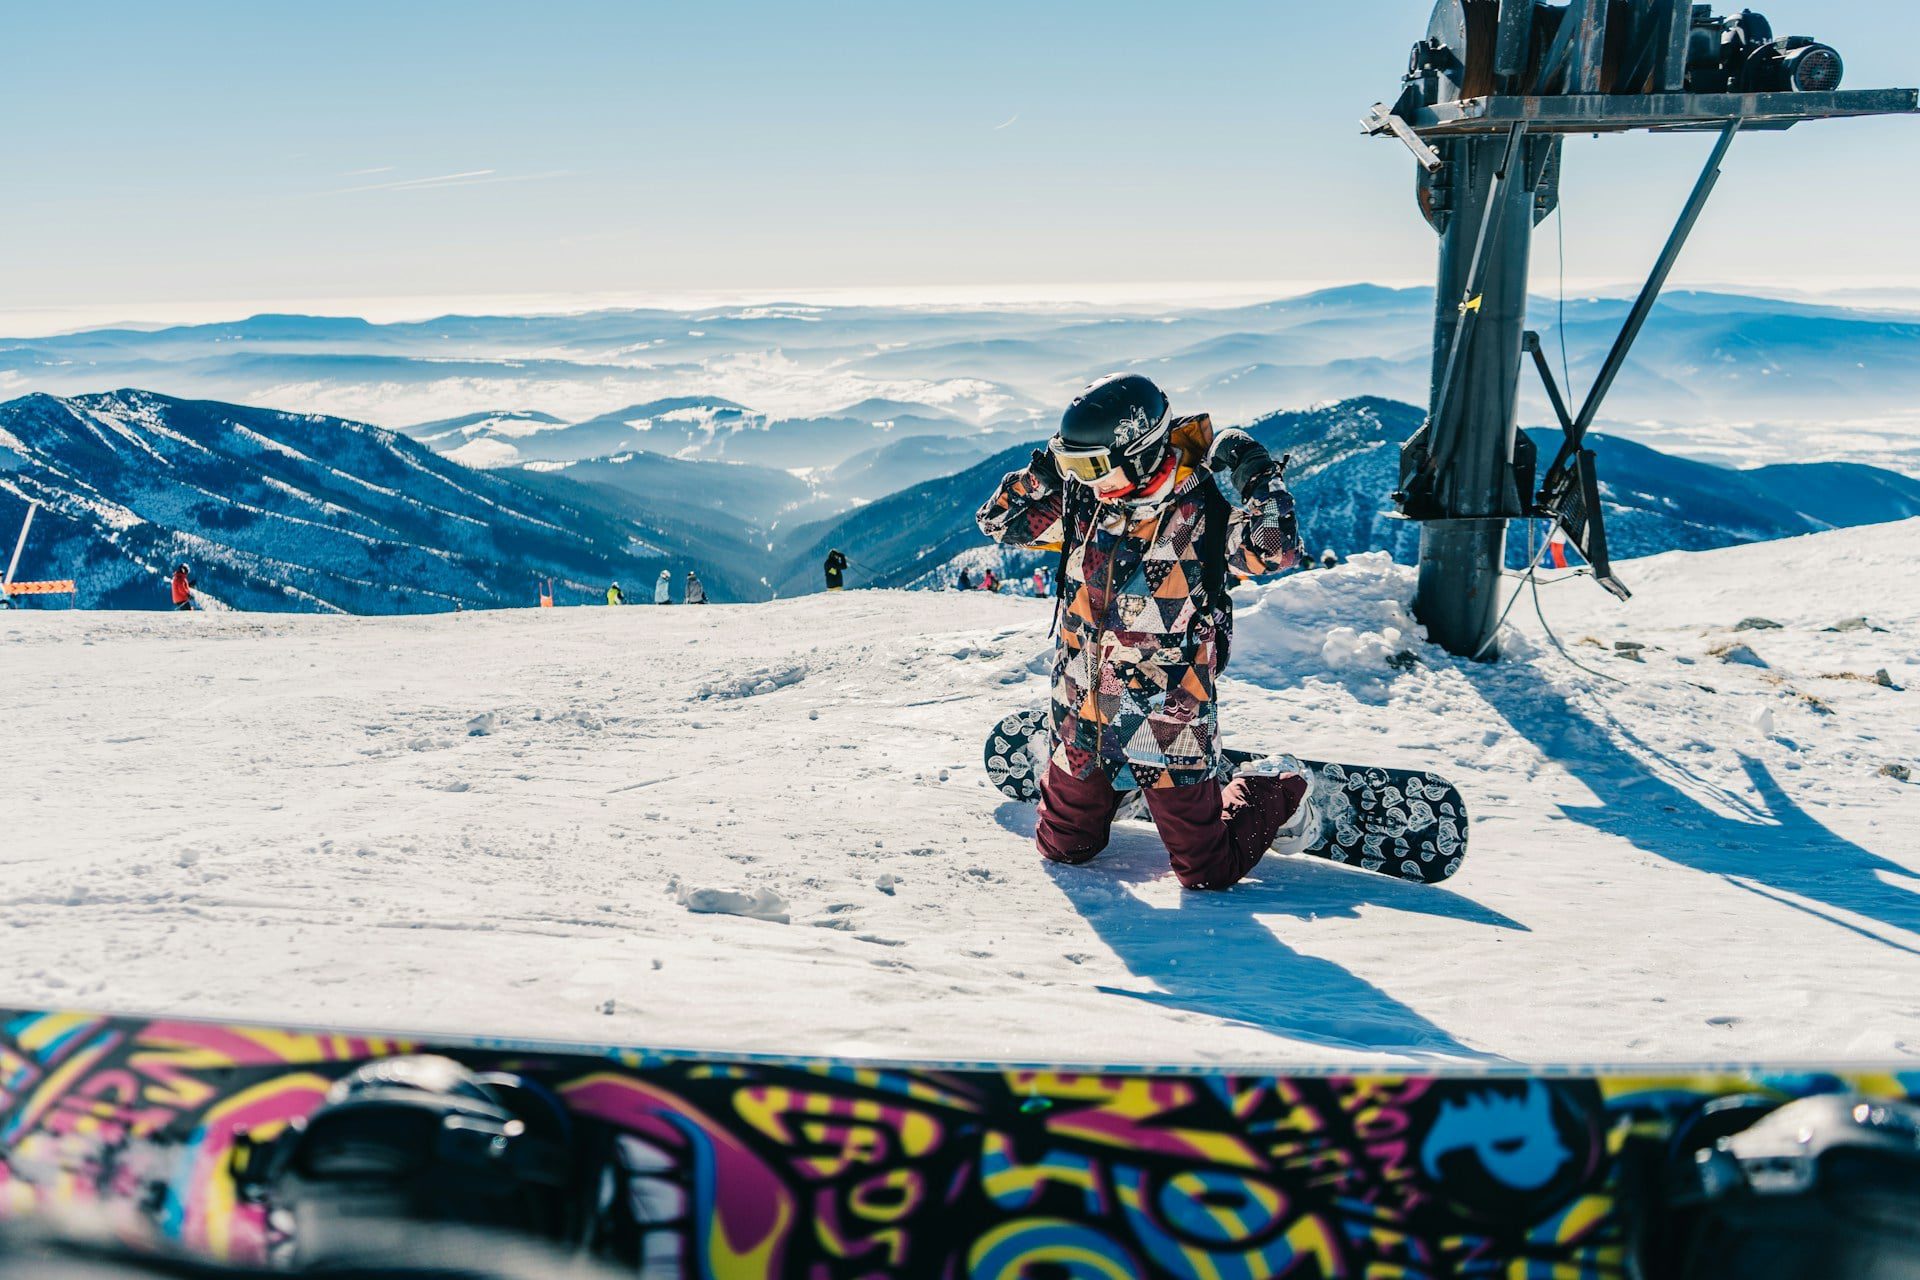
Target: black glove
1046,469
1246,458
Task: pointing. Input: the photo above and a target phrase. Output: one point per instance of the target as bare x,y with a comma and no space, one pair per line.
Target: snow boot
1303,829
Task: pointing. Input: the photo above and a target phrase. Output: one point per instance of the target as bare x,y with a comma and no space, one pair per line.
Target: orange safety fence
62,588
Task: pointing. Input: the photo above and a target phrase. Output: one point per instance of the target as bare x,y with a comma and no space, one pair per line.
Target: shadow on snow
1213,954
1768,846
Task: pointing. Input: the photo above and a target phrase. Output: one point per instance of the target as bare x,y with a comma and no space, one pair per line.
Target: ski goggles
1087,465
1092,463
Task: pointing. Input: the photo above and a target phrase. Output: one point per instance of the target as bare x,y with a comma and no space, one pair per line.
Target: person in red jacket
182,588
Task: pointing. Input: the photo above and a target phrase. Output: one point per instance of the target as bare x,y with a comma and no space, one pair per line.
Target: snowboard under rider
1151,514
696,591
663,588
182,589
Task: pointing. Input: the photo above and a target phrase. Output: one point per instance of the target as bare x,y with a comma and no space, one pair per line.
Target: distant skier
663,588
1133,500
615,595
989,583
965,583
836,570
1039,583
1328,560
696,594
182,589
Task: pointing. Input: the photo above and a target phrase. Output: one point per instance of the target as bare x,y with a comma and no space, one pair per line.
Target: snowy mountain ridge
1346,464
277,511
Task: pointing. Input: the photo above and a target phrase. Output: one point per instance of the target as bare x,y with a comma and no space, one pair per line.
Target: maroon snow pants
1214,834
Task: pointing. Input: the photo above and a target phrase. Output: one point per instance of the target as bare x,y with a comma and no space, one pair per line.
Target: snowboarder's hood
1193,439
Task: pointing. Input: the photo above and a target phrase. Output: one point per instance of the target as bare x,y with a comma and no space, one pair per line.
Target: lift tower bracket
1487,100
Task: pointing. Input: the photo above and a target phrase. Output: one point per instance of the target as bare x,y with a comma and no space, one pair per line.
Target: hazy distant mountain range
279,511
1719,376
744,442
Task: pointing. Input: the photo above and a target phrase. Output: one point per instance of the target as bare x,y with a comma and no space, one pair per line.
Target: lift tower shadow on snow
1489,97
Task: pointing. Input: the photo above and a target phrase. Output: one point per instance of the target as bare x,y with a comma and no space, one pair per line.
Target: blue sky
170,159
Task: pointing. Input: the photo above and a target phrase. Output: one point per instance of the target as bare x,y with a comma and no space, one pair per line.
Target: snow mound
754,683
1356,618
759,904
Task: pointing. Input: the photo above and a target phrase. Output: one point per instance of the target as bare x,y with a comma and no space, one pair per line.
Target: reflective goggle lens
1084,467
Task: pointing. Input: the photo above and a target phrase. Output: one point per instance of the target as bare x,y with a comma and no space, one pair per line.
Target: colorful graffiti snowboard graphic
755,1168
1404,823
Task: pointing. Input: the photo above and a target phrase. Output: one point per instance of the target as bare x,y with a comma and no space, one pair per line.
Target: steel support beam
1644,304
1479,324
1663,112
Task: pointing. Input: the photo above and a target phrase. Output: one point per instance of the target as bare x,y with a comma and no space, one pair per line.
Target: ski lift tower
1488,100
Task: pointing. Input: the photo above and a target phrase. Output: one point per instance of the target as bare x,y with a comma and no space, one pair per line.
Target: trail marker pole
19,545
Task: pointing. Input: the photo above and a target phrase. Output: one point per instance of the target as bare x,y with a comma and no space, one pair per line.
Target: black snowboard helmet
1119,423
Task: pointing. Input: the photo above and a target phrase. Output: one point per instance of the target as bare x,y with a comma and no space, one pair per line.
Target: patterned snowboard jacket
1133,673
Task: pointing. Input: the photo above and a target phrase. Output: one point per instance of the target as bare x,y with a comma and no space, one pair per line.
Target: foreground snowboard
227,1140
1399,822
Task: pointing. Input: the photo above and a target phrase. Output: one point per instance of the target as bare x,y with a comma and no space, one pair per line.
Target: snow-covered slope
292,511
766,828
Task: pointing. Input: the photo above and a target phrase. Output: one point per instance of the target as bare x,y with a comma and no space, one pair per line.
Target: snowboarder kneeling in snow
696,592
615,595
663,588
1133,499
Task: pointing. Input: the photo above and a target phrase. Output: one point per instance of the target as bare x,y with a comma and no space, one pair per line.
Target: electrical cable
1542,615
1494,635
1531,578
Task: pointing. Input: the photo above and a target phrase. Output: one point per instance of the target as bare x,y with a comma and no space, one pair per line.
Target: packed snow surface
766,827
